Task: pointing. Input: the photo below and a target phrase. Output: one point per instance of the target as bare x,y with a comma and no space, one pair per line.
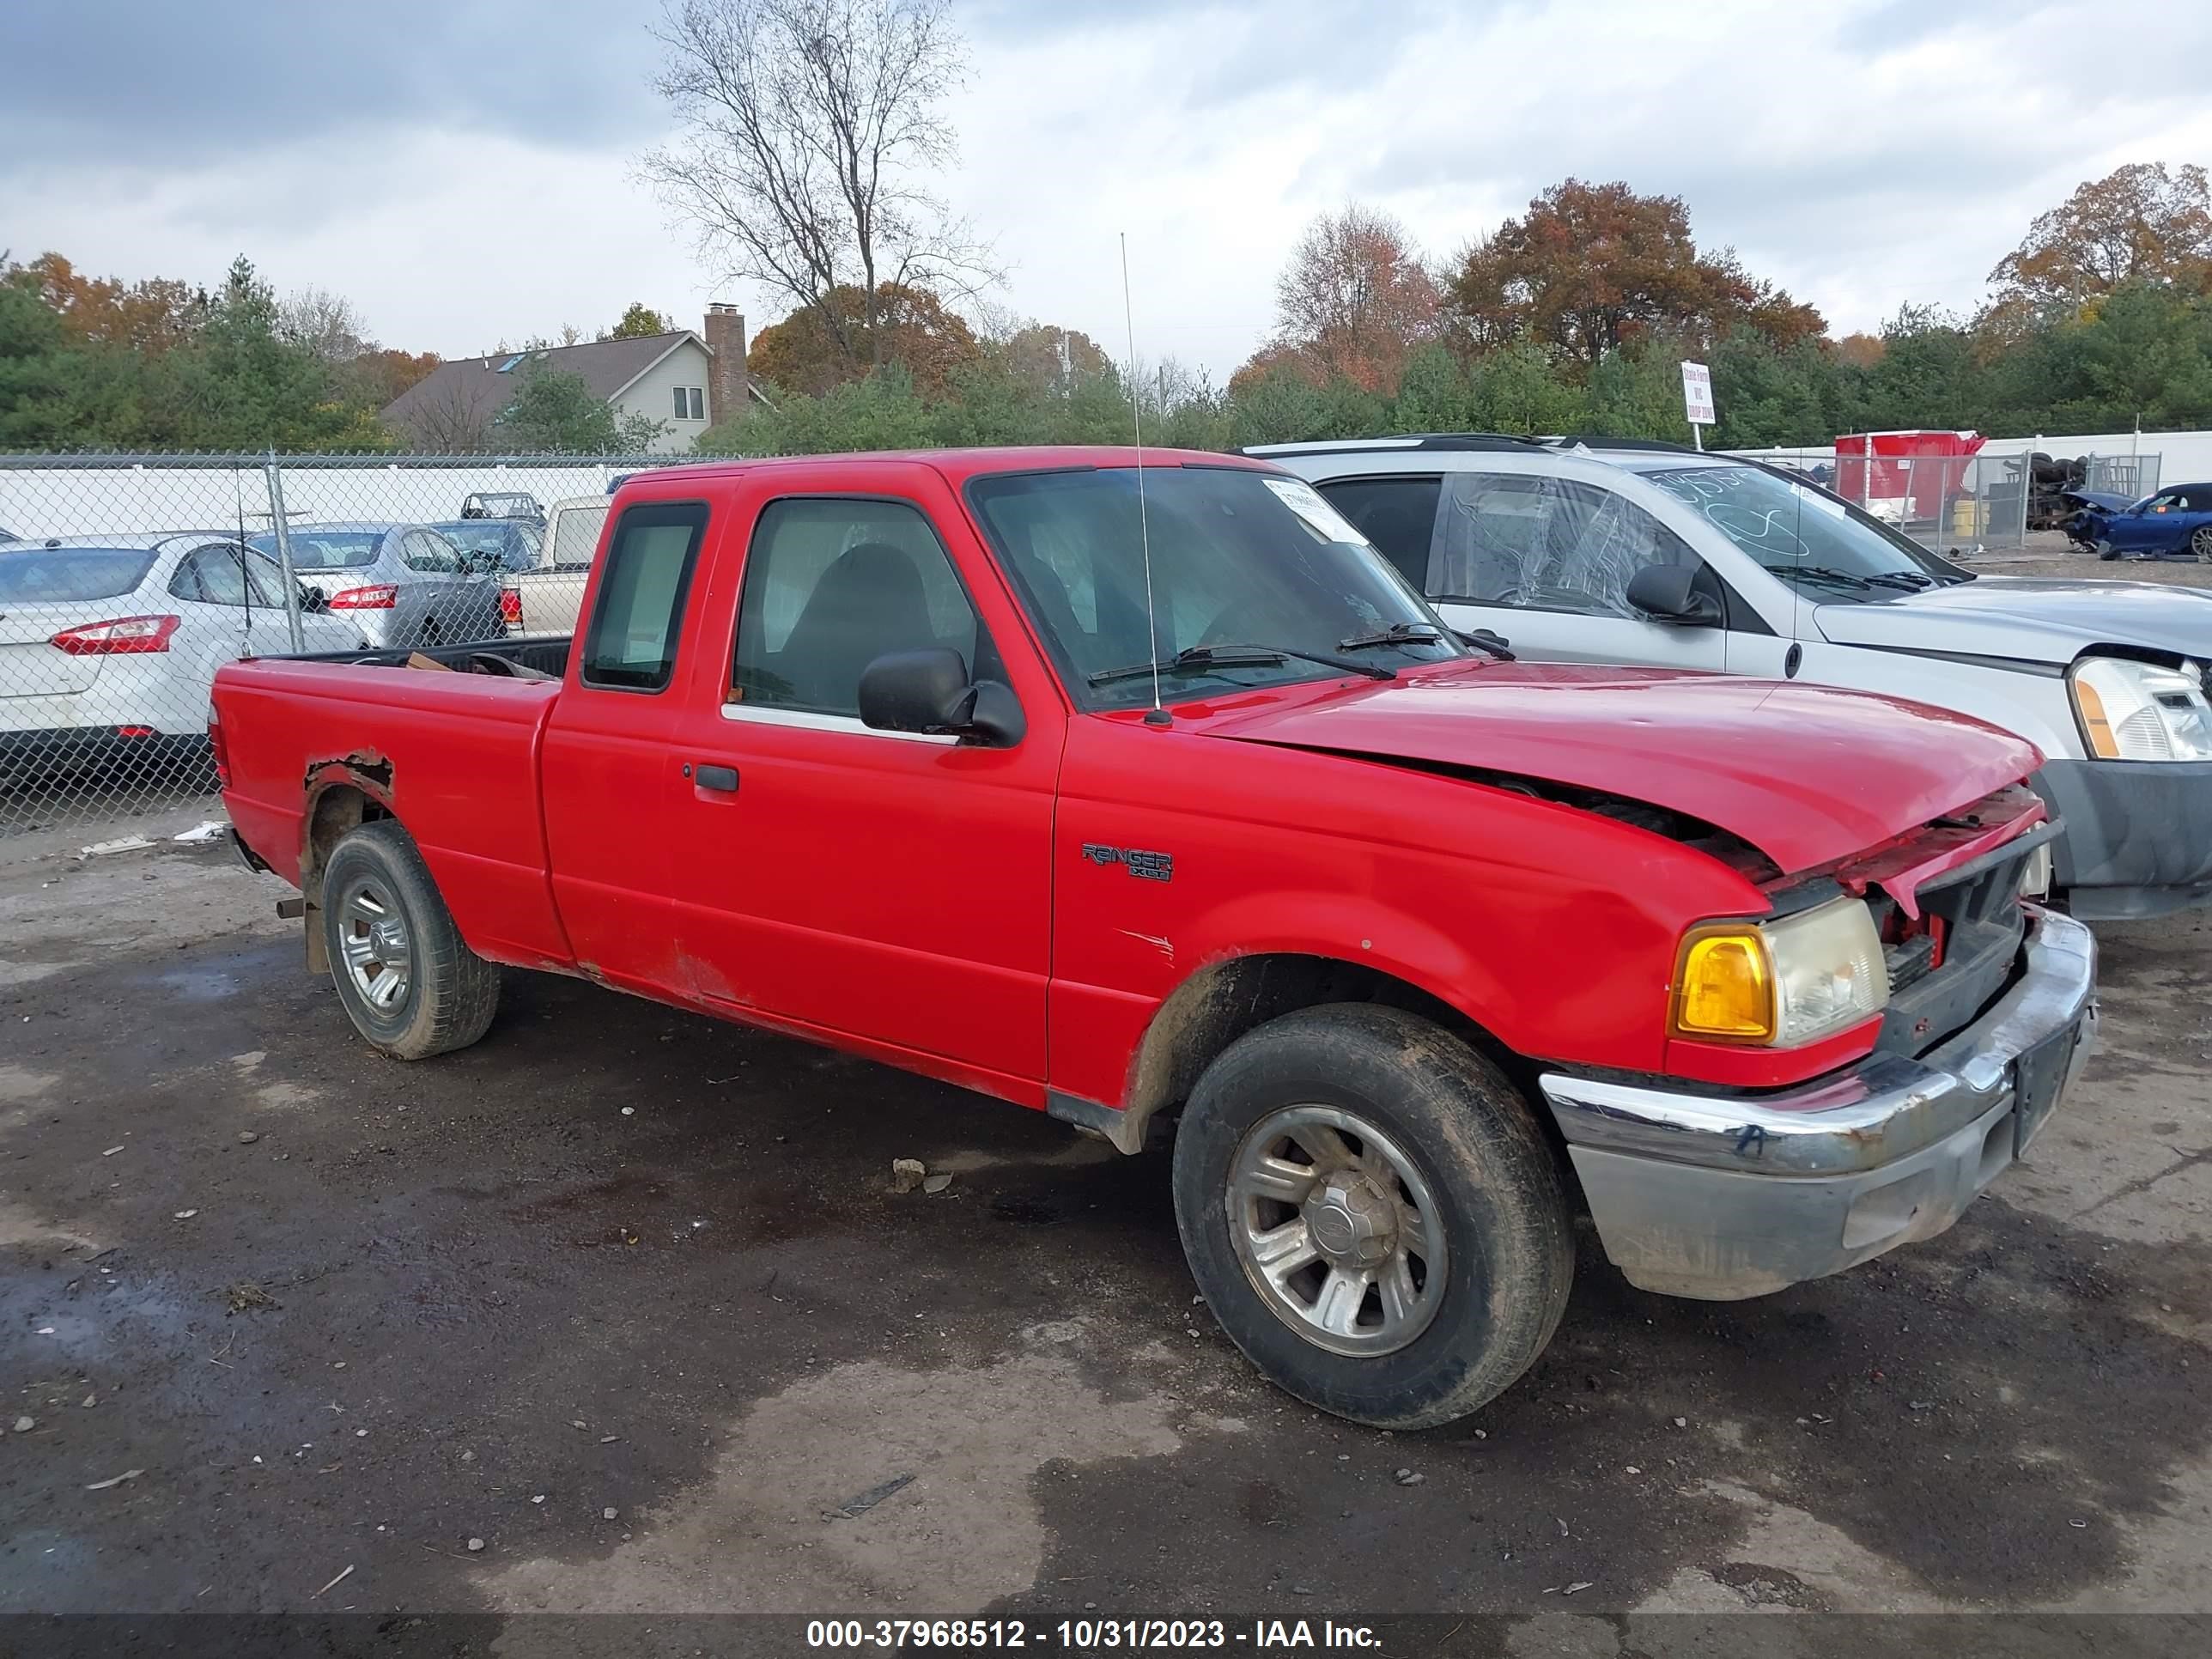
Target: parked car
496,546
1178,808
1650,554
2082,512
502,504
112,642
546,598
403,583
2173,524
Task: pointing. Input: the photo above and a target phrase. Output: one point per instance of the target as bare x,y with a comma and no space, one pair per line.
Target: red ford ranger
1154,799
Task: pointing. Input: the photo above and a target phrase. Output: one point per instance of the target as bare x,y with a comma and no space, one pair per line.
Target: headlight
2035,874
1781,983
2133,710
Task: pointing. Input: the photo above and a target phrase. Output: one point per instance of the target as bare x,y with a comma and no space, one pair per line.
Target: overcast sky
463,169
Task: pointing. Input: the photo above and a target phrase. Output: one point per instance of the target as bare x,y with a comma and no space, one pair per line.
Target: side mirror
930,691
1670,594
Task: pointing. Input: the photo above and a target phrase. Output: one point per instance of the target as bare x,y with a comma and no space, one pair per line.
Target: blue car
2173,524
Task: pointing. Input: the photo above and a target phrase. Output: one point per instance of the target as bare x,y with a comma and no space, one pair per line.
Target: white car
109,641
1654,555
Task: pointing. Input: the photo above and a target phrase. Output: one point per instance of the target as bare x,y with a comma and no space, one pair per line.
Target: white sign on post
1698,393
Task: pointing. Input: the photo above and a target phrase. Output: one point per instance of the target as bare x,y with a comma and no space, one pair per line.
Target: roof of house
483,386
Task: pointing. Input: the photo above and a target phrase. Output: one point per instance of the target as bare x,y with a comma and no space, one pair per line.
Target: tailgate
550,600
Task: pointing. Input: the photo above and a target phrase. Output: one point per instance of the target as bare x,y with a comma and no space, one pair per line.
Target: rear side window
1398,515
218,575
631,646
430,554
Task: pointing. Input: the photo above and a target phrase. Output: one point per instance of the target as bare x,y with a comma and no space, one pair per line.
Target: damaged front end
1703,1189
1947,903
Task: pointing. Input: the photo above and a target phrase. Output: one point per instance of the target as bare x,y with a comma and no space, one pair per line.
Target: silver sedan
404,585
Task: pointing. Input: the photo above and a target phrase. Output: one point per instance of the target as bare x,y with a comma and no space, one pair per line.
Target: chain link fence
1965,501
126,580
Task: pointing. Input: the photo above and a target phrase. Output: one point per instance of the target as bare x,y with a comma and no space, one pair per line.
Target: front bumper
1722,1197
2138,839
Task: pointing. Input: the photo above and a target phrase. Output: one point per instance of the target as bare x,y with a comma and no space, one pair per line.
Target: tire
1474,1163
2107,552
445,995
2200,542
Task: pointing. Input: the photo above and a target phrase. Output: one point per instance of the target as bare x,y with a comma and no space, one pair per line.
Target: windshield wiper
1404,633
1198,659
1913,581
1398,633
1822,573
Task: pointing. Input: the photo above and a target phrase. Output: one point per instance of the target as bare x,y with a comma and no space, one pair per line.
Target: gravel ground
627,1295
618,1310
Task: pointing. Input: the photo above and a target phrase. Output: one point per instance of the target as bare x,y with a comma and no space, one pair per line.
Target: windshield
1238,557
1803,536
65,575
327,549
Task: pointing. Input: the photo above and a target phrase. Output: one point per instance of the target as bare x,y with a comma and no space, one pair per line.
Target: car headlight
1782,983
2133,710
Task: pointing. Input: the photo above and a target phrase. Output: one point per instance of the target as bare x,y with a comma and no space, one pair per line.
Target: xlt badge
1146,866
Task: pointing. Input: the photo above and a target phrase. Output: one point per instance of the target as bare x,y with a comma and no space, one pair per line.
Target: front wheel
410,986
1372,1214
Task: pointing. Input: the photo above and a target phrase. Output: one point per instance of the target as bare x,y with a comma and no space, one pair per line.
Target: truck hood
1806,774
2031,619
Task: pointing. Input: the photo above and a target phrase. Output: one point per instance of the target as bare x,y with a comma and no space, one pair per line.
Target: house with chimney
686,379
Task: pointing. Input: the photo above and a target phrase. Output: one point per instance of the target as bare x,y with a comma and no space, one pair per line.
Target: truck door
607,780
889,886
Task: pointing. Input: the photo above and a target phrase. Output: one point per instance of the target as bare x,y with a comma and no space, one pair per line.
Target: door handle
723,778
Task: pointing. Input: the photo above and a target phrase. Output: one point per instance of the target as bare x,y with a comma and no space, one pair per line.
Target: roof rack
1598,441
1406,440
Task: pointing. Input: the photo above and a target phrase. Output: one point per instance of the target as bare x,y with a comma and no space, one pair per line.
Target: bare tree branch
809,131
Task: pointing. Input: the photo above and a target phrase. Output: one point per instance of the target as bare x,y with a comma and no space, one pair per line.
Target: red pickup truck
1154,799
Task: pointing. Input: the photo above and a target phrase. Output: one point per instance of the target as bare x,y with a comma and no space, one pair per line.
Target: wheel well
337,810
1215,1006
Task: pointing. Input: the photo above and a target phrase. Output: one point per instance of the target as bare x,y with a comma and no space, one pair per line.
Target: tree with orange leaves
152,316
2139,224
1353,301
1592,268
818,347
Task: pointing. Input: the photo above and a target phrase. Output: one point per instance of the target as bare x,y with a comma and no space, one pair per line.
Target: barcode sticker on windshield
1303,499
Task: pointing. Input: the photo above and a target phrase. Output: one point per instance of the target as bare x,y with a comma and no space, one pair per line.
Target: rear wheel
410,986
2200,542
1372,1214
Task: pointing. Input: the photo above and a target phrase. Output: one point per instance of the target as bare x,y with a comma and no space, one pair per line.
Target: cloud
463,169
156,84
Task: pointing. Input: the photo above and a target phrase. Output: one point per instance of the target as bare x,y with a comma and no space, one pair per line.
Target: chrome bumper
1722,1197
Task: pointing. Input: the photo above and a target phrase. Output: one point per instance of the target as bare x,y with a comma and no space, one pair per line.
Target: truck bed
548,653
454,756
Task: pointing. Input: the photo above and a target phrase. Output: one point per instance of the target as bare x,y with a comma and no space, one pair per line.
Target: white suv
1614,552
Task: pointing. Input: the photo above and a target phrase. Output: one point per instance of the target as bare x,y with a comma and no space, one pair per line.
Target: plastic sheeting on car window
1543,543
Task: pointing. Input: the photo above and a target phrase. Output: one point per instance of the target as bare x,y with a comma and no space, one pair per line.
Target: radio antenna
1159,716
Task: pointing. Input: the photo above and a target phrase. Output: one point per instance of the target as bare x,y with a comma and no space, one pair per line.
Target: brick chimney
725,335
